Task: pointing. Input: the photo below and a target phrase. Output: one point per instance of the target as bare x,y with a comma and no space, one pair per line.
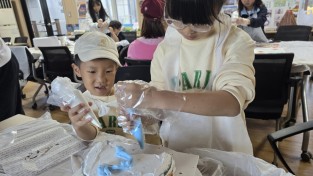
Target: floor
258,130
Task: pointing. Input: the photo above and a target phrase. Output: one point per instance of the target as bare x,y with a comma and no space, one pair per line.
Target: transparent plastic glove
63,92
136,99
243,21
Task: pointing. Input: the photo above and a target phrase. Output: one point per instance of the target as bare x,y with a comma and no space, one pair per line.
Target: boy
96,62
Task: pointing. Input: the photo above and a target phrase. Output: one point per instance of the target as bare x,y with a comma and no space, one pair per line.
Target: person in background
202,79
152,31
115,28
10,92
99,19
252,16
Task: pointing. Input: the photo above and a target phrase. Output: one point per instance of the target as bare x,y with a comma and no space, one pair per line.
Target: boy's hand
76,115
66,108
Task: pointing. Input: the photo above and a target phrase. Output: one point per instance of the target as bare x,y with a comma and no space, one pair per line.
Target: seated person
252,16
10,92
115,28
96,62
152,31
97,18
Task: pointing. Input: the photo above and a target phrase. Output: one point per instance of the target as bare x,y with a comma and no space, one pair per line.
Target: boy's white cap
94,45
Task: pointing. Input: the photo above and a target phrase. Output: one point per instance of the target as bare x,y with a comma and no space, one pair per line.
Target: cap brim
95,54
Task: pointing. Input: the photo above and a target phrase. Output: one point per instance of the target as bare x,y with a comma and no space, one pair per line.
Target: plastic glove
134,94
243,21
150,120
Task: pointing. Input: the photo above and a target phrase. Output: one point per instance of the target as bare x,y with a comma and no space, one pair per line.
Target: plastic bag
236,163
131,98
64,92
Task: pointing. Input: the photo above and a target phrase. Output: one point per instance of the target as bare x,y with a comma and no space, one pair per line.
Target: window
122,10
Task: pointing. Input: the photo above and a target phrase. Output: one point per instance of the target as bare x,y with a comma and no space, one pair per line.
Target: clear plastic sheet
37,146
134,102
142,164
64,92
233,163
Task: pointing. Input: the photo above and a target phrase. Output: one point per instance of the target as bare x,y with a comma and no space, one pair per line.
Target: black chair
123,54
77,36
36,75
57,62
130,61
6,39
293,33
130,36
277,136
136,72
20,39
272,73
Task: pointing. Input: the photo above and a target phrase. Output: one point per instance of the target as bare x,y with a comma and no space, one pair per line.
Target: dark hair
152,28
194,11
102,13
77,60
257,3
115,24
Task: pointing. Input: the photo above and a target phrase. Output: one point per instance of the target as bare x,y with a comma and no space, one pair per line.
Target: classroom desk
185,163
15,120
303,55
233,162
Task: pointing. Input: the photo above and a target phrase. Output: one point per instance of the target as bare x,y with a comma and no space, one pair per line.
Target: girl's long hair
152,28
102,13
257,3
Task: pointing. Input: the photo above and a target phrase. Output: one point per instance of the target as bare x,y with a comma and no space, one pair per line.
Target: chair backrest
272,73
21,56
136,72
57,62
46,41
6,39
77,36
20,39
131,61
130,36
293,33
123,54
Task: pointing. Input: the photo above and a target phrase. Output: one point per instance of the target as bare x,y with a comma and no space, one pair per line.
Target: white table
303,55
185,163
15,120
